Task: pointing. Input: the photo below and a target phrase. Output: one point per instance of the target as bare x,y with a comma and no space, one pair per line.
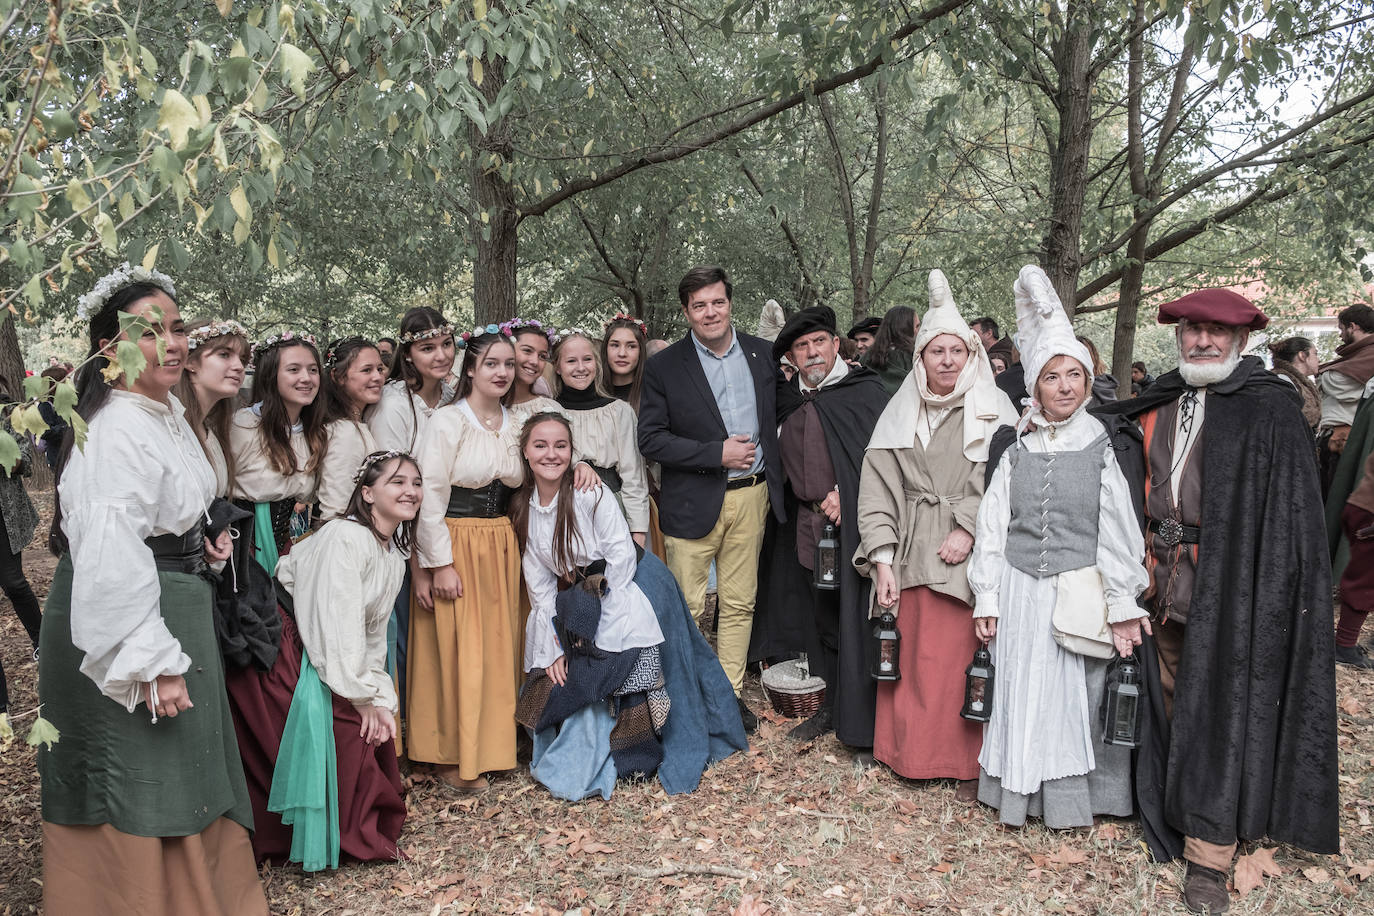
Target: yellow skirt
460,688
98,869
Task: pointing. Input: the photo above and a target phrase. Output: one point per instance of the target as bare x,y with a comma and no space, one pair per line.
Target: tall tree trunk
494,229
1069,158
11,360
863,285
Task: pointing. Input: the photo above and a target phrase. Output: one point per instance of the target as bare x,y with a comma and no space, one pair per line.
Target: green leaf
178,117
33,290
105,228
77,197
62,125
25,196
9,453
296,66
6,732
78,423
64,399
35,386
42,732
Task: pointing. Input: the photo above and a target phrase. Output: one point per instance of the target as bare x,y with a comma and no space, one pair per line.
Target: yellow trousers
734,545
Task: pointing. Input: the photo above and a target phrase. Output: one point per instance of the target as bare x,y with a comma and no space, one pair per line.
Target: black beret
807,321
867,326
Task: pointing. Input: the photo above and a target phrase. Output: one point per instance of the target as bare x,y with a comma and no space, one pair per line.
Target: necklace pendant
1054,431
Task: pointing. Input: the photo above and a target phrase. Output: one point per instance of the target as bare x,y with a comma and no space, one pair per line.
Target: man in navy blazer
707,416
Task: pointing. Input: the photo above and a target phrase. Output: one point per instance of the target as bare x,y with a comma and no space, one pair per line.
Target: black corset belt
483,502
609,476
183,553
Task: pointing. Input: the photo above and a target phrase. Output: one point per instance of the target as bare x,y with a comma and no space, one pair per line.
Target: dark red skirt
1357,583
371,798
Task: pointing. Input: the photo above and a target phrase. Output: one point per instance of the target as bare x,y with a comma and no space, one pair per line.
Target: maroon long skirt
371,801
1357,582
918,731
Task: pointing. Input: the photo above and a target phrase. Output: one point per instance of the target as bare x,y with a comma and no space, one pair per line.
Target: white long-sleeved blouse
142,473
344,582
627,618
1120,545
455,451
605,436
214,451
254,477
349,443
398,420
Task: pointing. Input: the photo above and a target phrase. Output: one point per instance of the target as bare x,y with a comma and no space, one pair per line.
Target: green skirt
172,778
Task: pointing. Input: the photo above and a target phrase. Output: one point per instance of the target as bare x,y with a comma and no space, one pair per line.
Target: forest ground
780,829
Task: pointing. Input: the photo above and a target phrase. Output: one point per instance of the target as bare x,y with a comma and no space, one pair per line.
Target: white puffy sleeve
989,559
393,420
613,541
329,585
541,642
1120,545
348,446
634,490
116,618
436,452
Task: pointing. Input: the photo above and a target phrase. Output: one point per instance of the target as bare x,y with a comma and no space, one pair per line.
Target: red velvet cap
1219,305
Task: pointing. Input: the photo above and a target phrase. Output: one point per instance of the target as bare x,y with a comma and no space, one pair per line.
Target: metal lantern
978,682
827,566
889,640
1121,705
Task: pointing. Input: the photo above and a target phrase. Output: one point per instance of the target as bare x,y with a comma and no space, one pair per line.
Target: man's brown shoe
1205,890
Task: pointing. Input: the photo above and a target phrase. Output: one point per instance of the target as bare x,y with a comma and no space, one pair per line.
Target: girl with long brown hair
624,350
464,614
609,630
279,442
419,381
353,375
209,388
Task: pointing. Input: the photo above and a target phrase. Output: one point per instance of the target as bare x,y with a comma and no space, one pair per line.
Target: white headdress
985,406
123,275
1042,328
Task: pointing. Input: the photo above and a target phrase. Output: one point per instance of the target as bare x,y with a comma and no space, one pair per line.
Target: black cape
1251,749
784,625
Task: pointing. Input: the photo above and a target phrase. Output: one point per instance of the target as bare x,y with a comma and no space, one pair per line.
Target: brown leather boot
1205,890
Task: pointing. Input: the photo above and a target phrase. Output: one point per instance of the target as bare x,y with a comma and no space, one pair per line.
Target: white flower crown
564,333
123,275
197,336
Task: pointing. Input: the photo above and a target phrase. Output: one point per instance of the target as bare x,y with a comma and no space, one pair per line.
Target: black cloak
848,409
1251,749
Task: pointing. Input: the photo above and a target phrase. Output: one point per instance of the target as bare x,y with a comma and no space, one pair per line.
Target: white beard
1202,375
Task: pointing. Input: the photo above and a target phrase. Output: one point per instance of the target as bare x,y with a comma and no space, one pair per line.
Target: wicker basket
793,691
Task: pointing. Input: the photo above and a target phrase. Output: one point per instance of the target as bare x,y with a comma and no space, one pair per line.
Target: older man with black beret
826,413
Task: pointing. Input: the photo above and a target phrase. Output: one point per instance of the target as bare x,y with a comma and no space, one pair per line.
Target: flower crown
564,333
198,336
621,316
466,337
378,458
123,275
516,325
331,355
280,340
410,337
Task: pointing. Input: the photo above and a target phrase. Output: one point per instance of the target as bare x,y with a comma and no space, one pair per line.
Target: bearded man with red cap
1239,731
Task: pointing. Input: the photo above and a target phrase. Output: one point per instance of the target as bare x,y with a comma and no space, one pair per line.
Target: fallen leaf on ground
1109,833
750,905
1316,875
1350,706
1251,870
1364,871
1067,855
836,891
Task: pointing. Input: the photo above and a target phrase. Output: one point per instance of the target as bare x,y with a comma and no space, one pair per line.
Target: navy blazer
680,427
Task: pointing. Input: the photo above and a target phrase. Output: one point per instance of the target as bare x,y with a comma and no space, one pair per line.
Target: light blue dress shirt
732,384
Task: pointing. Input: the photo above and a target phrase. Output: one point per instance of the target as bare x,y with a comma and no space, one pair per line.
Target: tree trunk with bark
1069,150
494,226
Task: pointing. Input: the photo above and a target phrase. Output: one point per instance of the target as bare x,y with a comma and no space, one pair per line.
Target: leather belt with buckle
1172,532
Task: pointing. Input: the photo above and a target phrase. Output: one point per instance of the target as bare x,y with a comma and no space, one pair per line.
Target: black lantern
1121,705
978,687
889,640
826,575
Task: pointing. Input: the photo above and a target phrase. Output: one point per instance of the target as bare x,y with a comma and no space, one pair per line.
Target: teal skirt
172,778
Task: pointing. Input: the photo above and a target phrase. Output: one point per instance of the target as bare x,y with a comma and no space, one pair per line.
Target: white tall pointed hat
1043,330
